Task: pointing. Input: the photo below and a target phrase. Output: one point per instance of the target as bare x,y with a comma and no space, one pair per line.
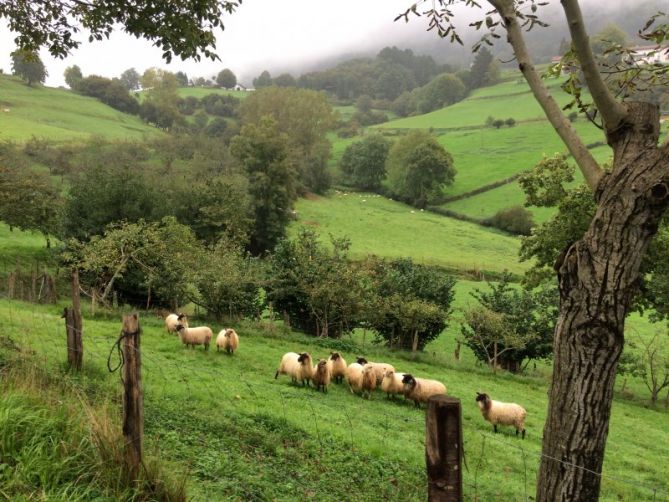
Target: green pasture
376,225
237,433
59,114
200,92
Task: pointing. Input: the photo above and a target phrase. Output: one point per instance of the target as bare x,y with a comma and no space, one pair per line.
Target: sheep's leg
276,375
494,428
523,435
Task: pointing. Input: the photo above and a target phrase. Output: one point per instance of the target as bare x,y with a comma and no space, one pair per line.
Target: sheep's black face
180,317
408,379
361,360
484,398
180,327
334,356
304,356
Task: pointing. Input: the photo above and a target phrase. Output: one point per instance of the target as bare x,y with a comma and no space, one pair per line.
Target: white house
650,54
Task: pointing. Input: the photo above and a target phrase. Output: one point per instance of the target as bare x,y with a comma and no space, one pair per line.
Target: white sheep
497,412
201,335
321,375
368,380
392,383
290,366
306,369
419,390
227,340
379,368
171,321
354,377
337,366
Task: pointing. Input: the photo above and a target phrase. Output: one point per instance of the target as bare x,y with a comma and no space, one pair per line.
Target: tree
185,29
73,76
263,80
418,167
110,92
182,78
598,274
364,103
263,152
442,91
130,79
226,79
480,68
28,66
364,162
285,80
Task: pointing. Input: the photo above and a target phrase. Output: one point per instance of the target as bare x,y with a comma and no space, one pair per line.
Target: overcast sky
261,34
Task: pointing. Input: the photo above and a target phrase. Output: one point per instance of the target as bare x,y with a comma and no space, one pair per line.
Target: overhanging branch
591,170
613,113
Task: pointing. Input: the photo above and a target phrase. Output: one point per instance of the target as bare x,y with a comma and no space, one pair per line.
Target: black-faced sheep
379,368
499,413
306,369
227,340
290,366
321,375
337,366
392,383
201,335
419,390
172,320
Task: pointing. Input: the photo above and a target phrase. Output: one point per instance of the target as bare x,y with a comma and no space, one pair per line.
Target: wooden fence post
443,449
133,400
73,327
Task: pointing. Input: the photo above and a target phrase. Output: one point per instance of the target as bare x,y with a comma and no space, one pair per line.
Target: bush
497,123
572,116
510,122
516,220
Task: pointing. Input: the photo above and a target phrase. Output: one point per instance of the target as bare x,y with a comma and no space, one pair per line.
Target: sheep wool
172,320
419,390
306,369
379,368
321,375
392,383
201,335
337,366
354,377
368,380
227,340
499,413
290,366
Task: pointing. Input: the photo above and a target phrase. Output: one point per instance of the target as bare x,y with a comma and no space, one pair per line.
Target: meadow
62,115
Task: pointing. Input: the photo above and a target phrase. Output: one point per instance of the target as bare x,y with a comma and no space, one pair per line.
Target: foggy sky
268,34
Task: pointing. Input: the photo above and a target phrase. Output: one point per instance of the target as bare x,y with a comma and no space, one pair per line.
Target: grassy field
240,434
377,225
59,114
200,92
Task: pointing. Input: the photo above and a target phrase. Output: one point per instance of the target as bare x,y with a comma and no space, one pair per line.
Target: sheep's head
322,366
179,327
409,381
180,316
304,358
388,374
483,400
361,360
334,356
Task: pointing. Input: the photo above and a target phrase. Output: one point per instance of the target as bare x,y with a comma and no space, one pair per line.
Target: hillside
380,226
59,114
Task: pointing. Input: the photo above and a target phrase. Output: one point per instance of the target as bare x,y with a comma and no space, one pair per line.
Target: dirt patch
312,196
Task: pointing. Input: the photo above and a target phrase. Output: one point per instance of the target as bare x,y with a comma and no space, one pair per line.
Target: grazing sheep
228,340
201,335
379,368
497,412
368,380
419,390
337,366
290,365
392,383
354,377
172,320
321,375
306,369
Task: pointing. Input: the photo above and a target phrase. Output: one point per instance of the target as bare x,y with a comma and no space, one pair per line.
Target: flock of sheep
362,376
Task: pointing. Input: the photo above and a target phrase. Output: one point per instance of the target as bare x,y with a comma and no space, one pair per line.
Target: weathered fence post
443,449
73,327
133,400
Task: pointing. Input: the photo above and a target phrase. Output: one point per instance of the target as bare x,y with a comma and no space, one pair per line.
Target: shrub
516,220
510,122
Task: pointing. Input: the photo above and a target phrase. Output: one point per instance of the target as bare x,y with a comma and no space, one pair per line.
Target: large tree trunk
598,278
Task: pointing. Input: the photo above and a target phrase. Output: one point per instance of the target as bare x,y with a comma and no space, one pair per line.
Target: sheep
354,377
306,370
195,336
337,366
497,412
379,368
172,320
368,380
419,390
392,383
289,365
228,340
321,375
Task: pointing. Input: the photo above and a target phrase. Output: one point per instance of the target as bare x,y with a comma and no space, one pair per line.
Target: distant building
566,67
650,54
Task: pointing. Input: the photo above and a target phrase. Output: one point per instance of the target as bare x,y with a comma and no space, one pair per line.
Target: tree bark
598,278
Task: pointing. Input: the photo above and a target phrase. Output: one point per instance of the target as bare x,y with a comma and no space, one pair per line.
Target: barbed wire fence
41,334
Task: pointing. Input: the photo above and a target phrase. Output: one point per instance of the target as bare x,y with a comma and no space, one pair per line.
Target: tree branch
591,170
613,113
